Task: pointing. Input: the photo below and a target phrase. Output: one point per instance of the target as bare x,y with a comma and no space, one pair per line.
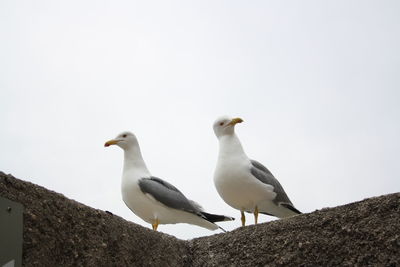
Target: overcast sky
316,82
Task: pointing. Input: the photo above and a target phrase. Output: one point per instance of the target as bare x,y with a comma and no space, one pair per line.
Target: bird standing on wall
246,184
153,199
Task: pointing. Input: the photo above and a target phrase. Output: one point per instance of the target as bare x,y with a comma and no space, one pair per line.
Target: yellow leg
155,224
256,215
243,218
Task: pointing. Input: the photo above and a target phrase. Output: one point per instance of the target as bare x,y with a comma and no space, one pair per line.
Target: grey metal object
11,225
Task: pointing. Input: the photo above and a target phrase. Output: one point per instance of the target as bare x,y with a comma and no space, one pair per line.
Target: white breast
234,181
136,201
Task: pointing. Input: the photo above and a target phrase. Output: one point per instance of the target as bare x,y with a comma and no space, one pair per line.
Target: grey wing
167,194
264,175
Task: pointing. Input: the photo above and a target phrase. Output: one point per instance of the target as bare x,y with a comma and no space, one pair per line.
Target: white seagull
153,199
246,184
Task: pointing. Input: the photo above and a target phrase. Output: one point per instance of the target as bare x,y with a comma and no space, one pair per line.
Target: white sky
317,83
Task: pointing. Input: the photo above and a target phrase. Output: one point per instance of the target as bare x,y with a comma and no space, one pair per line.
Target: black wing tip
227,218
216,218
222,229
290,207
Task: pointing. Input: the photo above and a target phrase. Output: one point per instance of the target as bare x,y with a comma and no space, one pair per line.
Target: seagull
153,199
246,184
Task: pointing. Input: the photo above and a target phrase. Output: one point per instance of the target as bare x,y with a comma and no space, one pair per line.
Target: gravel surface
62,232
365,233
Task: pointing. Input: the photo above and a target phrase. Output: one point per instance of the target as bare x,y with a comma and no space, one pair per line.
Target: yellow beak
235,120
111,142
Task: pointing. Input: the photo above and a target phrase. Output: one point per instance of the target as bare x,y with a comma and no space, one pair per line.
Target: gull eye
124,135
221,123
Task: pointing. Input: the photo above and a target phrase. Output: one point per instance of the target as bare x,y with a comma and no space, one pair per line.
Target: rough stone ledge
62,232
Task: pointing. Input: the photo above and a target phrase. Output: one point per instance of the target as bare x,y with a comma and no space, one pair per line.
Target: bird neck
133,161
230,145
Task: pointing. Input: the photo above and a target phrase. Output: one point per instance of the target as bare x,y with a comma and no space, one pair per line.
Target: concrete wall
62,232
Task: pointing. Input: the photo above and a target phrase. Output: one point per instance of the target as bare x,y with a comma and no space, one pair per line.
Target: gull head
225,125
124,140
